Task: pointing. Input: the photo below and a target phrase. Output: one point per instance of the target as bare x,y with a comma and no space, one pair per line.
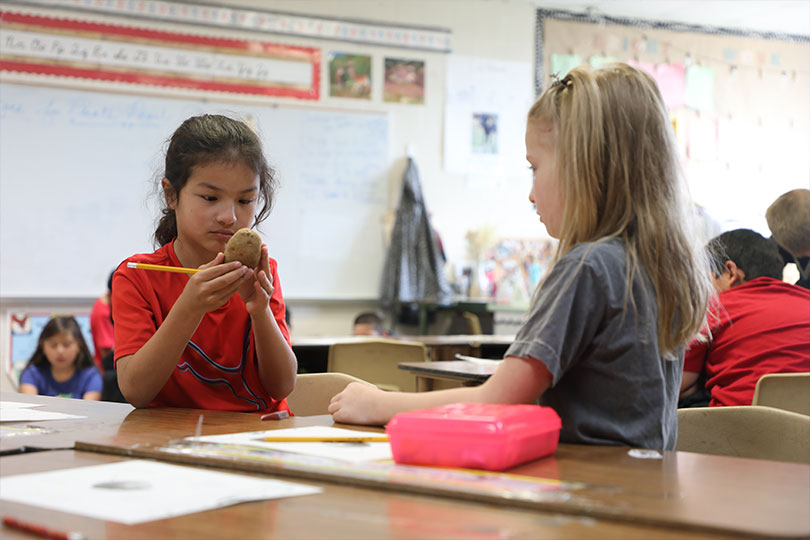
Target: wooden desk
713,496
100,418
448,374
312,353
339,512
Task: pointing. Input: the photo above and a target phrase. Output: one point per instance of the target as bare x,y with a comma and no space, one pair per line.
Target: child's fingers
211,273
265,262
265,281
213,283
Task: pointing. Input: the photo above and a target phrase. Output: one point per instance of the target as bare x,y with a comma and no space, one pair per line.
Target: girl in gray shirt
603,340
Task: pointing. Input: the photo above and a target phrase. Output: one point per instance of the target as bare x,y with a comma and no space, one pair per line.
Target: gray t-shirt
611,385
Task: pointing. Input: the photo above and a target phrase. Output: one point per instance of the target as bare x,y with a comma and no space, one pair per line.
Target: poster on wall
25,331
485,119
66,49
349,75
404,81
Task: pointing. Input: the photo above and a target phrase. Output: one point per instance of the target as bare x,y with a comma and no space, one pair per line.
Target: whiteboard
77,171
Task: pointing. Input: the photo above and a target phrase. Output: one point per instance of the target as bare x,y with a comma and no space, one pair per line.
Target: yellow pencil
178,269
378,438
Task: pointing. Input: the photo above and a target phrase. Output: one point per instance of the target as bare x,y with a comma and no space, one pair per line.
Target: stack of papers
13,411
346,451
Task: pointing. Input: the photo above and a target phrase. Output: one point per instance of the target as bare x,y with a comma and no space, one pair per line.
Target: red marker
278,415
40,530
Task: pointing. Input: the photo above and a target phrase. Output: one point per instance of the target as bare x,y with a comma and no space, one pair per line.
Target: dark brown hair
212,138
56,326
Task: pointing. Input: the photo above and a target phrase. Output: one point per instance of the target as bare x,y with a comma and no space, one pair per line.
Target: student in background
761,324
603,340
61,364
216,339
368,323
101,326
789,220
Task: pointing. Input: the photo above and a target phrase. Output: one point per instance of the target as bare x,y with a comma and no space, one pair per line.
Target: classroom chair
465,323
314,391
7,383
750,431
376,361
787,391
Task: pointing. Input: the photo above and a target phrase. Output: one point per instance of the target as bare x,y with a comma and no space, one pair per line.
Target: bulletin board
739,102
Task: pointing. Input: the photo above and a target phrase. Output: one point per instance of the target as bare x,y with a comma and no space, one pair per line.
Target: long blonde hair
620,178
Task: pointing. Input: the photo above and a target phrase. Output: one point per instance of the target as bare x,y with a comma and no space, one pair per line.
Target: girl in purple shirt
62,364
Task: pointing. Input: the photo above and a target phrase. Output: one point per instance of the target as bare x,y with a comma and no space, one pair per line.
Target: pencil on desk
40,530
375,438
160,267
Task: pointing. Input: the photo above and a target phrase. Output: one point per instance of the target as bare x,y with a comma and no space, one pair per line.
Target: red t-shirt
102,330
218,369
763,326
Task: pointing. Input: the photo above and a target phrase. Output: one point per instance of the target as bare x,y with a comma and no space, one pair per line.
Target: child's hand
257,290
213,285
359,403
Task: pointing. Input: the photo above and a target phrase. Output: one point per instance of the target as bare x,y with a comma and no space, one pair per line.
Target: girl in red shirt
216,339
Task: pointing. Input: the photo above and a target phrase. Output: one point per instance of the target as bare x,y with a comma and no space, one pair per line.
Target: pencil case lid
474,435
486,419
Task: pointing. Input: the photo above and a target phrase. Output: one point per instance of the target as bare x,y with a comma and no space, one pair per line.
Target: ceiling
780,16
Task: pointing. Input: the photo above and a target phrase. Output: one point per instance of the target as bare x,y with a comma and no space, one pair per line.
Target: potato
244,246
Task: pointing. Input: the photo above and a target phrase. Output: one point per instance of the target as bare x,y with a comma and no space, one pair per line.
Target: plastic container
474,435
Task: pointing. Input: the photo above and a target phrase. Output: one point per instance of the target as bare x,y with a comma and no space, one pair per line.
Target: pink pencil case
474,435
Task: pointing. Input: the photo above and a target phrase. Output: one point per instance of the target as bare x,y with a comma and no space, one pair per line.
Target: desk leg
424,384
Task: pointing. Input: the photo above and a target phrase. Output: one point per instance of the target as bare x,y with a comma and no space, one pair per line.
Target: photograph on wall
404,81
484,133
349,75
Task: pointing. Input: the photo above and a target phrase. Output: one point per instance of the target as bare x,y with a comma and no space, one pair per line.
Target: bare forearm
517,380
392,403
688,383
277,363
142,375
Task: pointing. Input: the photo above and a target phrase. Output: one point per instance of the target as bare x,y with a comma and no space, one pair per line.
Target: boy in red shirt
759,324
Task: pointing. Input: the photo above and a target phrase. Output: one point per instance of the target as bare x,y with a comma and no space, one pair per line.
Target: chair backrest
748,431
7,383
788,391
465,323
376,361
314,391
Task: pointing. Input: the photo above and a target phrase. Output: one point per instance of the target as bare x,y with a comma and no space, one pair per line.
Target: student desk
313,352
683,493
100,418
448,374
340,512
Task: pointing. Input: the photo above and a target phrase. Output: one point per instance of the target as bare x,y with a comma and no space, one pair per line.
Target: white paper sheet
24,414
354,452
486,362
495,87
135,491
17,405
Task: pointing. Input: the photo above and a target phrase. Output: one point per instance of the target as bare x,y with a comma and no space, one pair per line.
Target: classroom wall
496,30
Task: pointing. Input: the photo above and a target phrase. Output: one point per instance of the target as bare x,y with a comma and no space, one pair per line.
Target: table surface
709,496
458,339
312,352
461,370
